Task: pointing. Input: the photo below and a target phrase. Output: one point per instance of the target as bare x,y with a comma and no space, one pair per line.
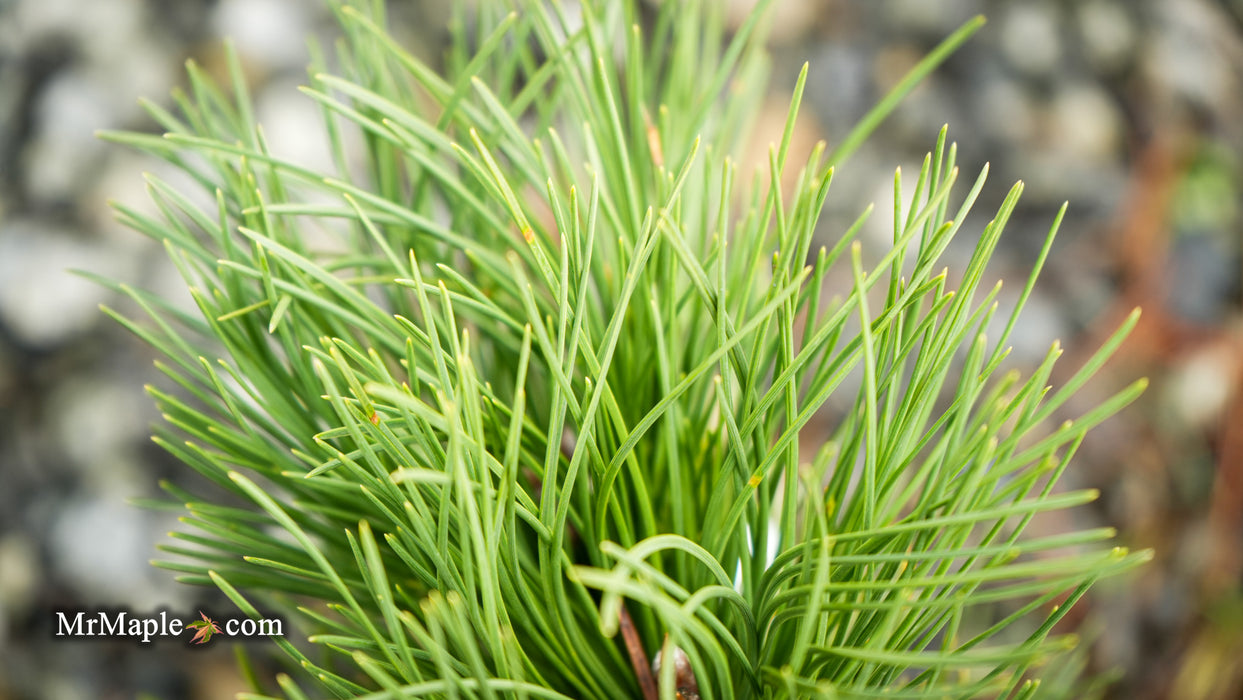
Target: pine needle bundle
516,401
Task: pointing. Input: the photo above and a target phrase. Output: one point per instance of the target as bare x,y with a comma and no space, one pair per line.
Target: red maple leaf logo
205,629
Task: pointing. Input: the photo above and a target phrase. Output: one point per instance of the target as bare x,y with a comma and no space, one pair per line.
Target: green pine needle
542,410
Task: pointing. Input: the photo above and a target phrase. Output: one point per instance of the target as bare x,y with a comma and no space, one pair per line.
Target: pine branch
556,373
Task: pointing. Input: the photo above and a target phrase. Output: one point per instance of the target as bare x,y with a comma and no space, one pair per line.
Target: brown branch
638,657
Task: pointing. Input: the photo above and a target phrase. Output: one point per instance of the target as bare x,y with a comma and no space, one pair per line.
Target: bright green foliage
533,364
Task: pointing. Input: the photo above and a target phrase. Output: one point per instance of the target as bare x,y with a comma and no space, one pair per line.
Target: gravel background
1133,111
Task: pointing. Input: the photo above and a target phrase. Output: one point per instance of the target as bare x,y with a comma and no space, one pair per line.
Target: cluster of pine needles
516,401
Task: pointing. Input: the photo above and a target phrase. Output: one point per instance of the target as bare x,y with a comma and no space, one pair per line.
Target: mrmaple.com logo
123,624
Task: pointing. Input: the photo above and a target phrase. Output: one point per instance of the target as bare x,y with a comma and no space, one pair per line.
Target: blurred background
1130,109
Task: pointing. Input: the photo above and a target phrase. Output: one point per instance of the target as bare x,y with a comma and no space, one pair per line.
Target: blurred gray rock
1030,37
40,301
1189,56
1084,126
19,574
293,126
100,544
271,32
1011,110
1109,34
64,151
99,417
930,18
99,27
